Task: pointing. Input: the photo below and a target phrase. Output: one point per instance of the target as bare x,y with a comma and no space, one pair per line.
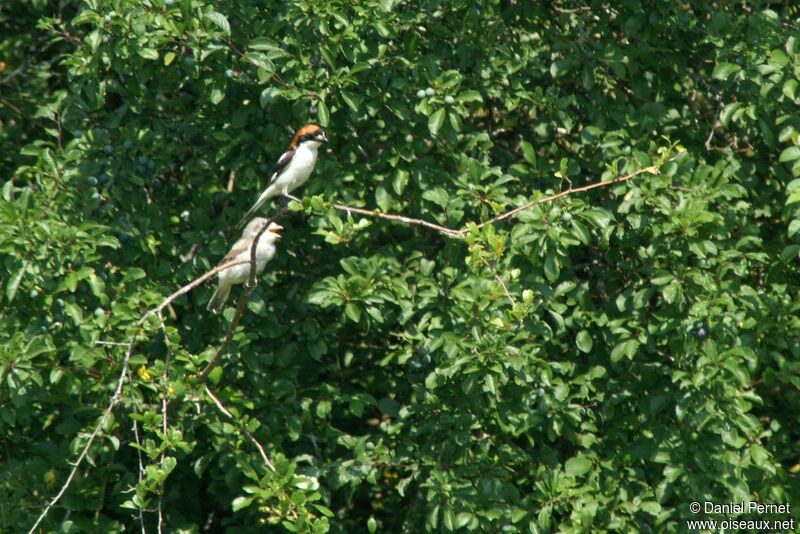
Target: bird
293,167
240,251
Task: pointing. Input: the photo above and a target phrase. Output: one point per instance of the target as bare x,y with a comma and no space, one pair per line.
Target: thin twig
461,233
164,414
247,433
188,287
138,451
503,285
16,72
115,398
573,10
402,218
652,169
60,133
710,137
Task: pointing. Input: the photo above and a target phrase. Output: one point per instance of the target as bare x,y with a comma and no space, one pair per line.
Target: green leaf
149,53
432,380
723,70
13,283
552,269
463,519
596,216
323,113
577,466
794,227
436,120
448,519
349,100
455,121
759,455
727,112
790,154
352,311
469,96
220,20
264,43
584,341
239,503
528,153
626,348
217,95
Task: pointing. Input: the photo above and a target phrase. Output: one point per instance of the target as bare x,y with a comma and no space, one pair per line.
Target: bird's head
310,133
254,227
275,229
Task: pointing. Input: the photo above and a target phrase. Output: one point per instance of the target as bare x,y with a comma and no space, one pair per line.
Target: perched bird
294,166
238,274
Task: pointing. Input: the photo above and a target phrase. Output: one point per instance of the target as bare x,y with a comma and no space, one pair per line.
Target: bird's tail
218,298
260,202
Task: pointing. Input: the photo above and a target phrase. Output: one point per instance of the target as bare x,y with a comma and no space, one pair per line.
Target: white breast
238,274
299,169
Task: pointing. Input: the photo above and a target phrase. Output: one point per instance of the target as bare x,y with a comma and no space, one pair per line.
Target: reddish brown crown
308,131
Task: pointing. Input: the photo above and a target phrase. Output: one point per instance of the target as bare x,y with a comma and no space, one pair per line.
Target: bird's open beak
276,230
324,137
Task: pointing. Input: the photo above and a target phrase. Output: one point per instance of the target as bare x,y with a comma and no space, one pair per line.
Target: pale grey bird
238,274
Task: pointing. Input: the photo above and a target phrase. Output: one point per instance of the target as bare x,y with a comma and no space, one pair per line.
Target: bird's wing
283,162
240,246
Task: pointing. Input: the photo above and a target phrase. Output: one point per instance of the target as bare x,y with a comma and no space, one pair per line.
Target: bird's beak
324,137
276,230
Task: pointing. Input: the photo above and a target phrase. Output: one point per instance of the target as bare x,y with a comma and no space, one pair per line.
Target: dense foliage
595,363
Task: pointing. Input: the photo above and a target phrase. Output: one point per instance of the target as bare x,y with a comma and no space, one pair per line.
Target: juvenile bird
238,274
293,167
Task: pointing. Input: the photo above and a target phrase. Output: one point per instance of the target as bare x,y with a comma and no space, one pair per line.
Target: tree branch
115,398
164,415
402,218
242,428
563,10
200,279
188,287
138,451
462,232
512,213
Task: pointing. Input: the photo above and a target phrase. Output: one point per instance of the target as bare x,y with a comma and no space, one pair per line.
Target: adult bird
240,251
293,168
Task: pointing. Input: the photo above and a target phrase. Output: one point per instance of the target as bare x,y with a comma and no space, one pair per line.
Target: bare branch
563,10
138,452
164,415
503,285
249,435
515,211
188,287
461,233
408,220
15,72
115,398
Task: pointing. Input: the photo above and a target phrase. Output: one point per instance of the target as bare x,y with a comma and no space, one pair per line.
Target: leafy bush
595,362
